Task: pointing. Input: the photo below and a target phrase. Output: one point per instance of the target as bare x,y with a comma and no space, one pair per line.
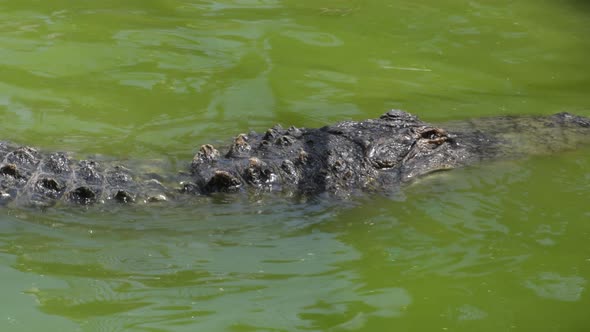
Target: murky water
499,247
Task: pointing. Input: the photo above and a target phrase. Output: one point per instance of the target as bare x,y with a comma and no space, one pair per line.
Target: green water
500,247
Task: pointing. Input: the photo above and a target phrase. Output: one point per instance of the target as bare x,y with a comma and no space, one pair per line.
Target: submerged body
347,157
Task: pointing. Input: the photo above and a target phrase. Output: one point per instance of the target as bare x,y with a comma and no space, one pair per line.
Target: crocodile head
398,148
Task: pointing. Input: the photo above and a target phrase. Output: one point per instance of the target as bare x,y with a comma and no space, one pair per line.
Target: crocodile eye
434,135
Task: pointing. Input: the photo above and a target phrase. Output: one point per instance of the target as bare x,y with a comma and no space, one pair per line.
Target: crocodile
342,159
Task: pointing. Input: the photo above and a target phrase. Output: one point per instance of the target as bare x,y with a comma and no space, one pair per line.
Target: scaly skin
376,154
341,159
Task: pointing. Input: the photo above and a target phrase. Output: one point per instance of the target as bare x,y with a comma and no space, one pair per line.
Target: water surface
498,247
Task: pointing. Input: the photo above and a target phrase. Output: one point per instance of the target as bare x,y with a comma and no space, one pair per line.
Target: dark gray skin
29,177
342,159
376,154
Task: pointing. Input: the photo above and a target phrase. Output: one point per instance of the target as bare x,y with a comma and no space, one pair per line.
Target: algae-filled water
498,247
